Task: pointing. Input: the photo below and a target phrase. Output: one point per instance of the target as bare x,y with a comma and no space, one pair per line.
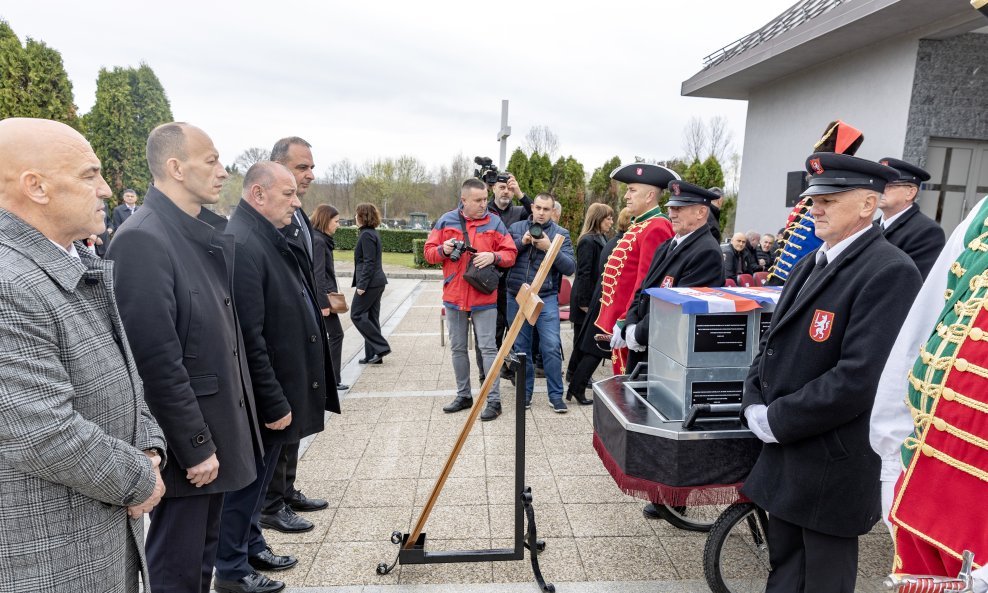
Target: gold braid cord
616,261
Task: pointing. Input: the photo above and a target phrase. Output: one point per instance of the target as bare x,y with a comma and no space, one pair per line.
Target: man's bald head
185,165
50,178
270,188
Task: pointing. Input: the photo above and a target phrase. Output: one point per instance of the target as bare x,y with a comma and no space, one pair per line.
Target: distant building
911,74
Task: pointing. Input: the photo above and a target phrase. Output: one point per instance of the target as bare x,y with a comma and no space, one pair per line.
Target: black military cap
644,173
908,172
832,173
687,194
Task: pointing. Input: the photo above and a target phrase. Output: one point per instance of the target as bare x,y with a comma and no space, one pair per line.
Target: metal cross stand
412,550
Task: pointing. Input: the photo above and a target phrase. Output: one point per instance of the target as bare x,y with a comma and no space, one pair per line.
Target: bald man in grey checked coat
79,451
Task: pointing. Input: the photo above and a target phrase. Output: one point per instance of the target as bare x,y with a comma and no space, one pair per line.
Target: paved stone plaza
378,461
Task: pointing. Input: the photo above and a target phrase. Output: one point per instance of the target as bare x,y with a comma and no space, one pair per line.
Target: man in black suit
713,216
811,387
288,355
125,210
173,270
282,498
903,225
690,258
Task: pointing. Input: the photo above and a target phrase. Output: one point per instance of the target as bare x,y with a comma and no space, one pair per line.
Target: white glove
980,580
632,343
617,342
888,495
757,416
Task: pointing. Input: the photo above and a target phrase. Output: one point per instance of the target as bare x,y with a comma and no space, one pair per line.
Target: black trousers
366,316
585,367
807,561
574,358
282,484
181,543
334,330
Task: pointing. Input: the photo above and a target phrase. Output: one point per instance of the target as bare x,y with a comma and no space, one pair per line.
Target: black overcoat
174,279
698,261
323,266
919,236
283,329
368,268
586,340
589,267
823,474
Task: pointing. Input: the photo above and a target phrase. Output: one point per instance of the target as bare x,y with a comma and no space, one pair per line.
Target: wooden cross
529,308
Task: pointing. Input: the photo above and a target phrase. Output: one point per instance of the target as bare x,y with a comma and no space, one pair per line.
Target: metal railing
794,16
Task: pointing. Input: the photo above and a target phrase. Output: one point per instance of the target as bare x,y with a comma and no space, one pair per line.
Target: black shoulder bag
483,279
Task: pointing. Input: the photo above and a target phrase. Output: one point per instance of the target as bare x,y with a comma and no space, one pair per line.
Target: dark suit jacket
283,329
739,263
823,474
120,214
698,261
713,221
588,266
323,266
368,269
919,236
174,277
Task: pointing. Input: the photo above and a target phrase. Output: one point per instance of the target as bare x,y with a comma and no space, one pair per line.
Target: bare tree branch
695,140
542,140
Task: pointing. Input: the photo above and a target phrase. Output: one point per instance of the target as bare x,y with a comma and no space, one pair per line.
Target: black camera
488,171
536,230
458,248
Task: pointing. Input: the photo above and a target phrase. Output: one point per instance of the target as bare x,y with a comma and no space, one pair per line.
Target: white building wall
870,89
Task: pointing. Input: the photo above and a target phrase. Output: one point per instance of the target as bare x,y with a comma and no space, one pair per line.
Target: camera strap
463,224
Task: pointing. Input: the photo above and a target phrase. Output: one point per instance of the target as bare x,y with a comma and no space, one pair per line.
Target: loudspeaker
795,185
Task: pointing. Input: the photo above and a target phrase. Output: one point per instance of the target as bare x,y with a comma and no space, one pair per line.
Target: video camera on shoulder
488,171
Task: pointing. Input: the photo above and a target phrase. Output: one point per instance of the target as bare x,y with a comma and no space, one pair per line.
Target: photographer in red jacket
490,245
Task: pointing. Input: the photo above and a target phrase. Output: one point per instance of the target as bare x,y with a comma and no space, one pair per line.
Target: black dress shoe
286,521
460,403
342,387
376,359
651,512
255,582
303,504
268,560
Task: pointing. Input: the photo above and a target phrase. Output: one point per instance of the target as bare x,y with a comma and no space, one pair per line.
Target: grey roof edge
807,43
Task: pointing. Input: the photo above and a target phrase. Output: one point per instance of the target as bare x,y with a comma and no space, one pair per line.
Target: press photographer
532,238
469,242
505,189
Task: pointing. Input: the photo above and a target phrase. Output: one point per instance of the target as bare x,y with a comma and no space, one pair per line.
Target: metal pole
503,133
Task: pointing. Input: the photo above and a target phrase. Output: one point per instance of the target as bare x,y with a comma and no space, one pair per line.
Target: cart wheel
396,537
735,557
382,568
691,518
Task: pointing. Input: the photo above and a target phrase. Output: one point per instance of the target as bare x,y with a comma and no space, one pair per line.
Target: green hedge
419,246
392,240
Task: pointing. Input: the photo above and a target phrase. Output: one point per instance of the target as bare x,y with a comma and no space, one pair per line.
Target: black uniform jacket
588,270
283,330
368,268
587,342
817,371
174,284
698,261
919,236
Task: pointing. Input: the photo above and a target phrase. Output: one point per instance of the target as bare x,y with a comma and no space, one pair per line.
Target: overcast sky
364,79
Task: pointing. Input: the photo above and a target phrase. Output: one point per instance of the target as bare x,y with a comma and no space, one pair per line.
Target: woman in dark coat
325,221
596,226
369,279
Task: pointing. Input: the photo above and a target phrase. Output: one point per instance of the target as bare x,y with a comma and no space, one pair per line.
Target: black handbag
483,279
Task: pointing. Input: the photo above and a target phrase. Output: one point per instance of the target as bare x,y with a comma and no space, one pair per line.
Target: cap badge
639,171
816,166
885,162
675,188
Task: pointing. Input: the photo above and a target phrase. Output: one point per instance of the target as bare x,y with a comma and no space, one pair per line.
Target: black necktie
816,272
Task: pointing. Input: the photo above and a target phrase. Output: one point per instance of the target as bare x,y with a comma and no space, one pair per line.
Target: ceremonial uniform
937,436
810,389
628,263
915,233
693,260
